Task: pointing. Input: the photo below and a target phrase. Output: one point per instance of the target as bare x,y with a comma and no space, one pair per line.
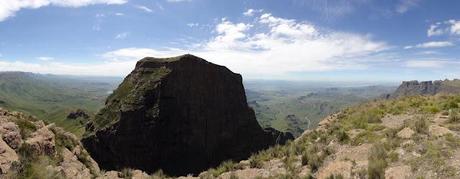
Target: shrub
26,127
126,173
377,162
454,116
342,136
255,162
226,166
335,177
431,109
314,156
159,174
451,104
421,125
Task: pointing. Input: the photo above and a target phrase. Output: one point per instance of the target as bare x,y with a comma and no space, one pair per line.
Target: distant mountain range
52,97
413,88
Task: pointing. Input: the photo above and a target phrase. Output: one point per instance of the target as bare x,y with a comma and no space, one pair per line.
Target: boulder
71,167
7,157
405,133
11,134
180,114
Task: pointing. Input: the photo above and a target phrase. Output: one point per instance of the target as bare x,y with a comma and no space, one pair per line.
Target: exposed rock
180,114
137,174
7,157
79,113
71,167
37,150
110,175
11,134
42,141
395,121
398,172
438,131
342,168
405,133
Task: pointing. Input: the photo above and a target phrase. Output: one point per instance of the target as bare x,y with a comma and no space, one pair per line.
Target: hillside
410,137
51,97
295,107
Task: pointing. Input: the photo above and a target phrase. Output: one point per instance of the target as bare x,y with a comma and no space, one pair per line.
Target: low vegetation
368,139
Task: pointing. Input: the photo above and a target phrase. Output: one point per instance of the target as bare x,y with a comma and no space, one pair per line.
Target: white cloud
119,14
451,27
122,35
193,25
427,63
144,8
115,68
455,27
8,8
434,30
433,44
45,58
251,12
269,47
286,46
405,5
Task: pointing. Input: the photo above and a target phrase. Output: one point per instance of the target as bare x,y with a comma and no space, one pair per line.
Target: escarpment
182,115
414,88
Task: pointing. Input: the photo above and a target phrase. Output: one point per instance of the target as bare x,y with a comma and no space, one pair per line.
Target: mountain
181,114
413,88
52,97
407,137
295,107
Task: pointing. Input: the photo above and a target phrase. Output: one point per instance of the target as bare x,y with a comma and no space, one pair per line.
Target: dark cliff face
181,114
412,88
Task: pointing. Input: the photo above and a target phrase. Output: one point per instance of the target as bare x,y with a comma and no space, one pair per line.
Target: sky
330,40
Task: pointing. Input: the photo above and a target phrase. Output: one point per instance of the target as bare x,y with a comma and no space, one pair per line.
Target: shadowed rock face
181,114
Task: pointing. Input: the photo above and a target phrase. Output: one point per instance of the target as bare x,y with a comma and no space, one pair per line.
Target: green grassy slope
51,98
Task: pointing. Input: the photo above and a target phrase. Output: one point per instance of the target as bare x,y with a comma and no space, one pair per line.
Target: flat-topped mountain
413,88
181,115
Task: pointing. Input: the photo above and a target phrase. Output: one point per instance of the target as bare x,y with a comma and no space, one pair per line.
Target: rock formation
31,149
79,113
413,88
181,115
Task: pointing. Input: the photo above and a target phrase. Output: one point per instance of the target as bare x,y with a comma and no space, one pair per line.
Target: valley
295,107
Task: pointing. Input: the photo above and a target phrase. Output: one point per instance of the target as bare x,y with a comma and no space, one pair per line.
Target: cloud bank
265,47
8,8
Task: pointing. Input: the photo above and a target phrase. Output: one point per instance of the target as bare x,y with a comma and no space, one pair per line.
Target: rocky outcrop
79,113
180,114
10,133
31,149
42,142
413,88
7,157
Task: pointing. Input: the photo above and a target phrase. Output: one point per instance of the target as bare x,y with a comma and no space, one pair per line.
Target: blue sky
335,40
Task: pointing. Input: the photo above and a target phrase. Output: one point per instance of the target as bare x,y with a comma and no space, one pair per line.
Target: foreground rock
180,114
31,149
